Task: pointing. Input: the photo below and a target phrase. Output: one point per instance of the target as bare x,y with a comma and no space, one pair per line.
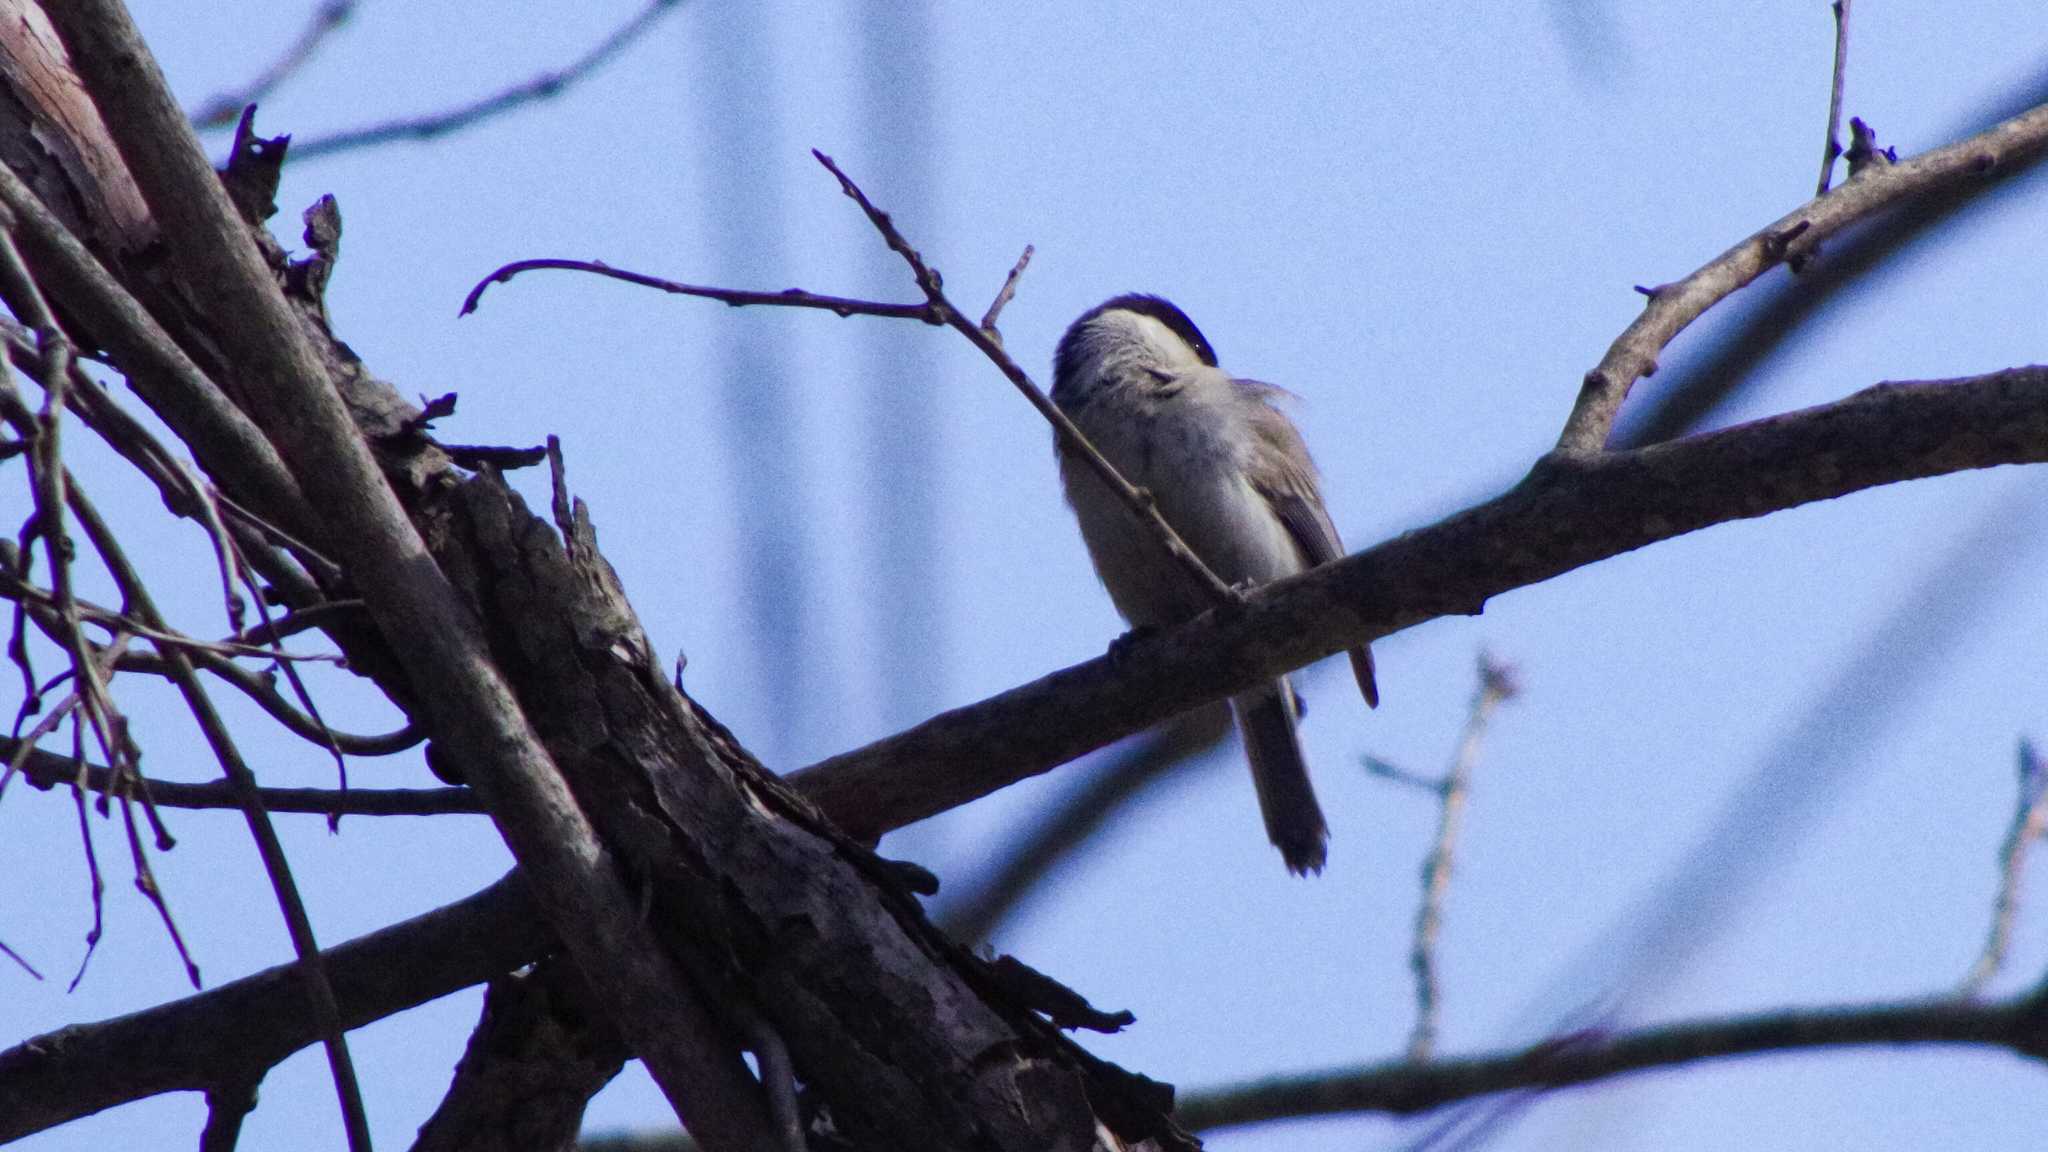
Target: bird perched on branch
1229,472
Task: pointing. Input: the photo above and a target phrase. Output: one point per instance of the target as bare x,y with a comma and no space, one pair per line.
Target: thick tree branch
285,385
539,1053
1672,307
2020,1025
226,1036
1559,518
1564,515
768,908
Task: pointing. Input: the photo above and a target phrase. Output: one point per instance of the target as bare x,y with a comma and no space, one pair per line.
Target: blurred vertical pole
739,106
898,142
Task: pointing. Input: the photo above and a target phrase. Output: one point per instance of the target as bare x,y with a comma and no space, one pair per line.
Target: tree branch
1772,313
1833,148
471,707
2020,1025
1497,685
223,109
224,1036
545,86
1564,515
1672,307
45,770
2029,823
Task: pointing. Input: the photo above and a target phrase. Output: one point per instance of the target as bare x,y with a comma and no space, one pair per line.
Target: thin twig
2029,822
267,697
534,90
1773,313
300,620
45,603
1497,685
11,954
319,992
222,110
788,298
1069,436
1004,295
48,481
1675,306
45,769
1833,150
1388,770
937,309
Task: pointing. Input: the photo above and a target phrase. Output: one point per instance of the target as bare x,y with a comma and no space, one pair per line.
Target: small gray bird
1229,472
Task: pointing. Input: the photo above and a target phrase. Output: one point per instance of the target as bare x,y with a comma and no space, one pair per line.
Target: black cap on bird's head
1067,360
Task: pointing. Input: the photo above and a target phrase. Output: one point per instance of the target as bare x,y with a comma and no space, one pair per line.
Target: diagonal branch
1672,307
1772,313
472,709
1560,517
533,90
2020,1025
223,109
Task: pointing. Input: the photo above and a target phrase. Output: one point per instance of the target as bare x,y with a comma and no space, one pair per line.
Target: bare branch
1672,307
243,782
787,298
1833,148
226,1107
1773,312
1004,296
536,89
541,1049
255,1022
1065,434
45,769
1053,837
1560,517
2029,822
472,710
2020,1025
1497,685
222,110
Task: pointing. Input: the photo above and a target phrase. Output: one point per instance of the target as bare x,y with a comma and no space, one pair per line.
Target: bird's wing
1284,475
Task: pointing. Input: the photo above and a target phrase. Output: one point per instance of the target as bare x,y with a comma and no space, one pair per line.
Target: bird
1229,472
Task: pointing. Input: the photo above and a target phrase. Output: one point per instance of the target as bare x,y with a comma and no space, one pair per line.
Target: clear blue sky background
1425,219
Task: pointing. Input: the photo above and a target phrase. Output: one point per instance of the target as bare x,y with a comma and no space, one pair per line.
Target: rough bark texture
536,1058
780,923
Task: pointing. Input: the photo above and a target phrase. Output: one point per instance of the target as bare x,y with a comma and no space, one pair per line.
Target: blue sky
1426,220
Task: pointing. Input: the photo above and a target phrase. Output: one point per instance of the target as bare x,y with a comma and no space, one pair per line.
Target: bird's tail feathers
1294,821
